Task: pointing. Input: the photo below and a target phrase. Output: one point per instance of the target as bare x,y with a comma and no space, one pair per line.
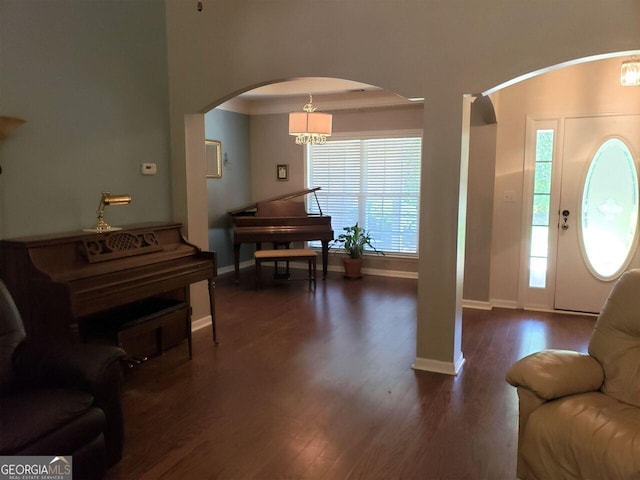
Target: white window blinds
372,181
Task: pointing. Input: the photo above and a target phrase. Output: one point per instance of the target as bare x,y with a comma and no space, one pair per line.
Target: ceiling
306,86
328,94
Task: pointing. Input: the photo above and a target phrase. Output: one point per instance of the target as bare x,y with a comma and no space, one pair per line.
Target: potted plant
354,241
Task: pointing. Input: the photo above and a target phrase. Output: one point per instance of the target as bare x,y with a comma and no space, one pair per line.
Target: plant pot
352,267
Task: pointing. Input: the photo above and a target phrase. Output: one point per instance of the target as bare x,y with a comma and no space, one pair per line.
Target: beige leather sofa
580,414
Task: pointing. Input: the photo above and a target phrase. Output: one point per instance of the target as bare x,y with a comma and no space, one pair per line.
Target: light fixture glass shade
630,73
310,126
302,122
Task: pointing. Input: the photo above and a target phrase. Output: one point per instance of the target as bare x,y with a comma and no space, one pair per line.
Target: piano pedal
133,362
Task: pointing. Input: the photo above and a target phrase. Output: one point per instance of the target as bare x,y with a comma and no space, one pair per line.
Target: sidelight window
539,245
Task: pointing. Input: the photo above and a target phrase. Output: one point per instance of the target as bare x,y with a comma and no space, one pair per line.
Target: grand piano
279,221
69,286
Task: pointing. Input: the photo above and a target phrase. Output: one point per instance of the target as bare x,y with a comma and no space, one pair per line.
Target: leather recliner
580,414
59,399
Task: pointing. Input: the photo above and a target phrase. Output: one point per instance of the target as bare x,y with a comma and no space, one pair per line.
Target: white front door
598,213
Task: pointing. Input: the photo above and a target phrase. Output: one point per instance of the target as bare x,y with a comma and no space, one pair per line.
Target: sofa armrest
556,373
97,369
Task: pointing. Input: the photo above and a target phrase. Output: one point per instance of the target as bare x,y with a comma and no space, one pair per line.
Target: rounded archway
553,101
253,130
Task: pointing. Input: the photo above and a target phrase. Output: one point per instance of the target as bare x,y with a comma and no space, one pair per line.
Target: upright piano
279,220
67,286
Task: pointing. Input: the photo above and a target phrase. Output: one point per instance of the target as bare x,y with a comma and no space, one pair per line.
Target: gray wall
271,143
234,188
91,80
477,260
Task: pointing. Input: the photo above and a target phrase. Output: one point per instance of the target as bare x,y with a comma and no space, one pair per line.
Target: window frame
369,135
535,297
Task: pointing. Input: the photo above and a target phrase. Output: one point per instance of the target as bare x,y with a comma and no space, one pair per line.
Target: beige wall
587,89
432,49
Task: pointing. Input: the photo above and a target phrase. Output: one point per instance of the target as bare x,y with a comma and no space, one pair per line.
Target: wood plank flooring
318,385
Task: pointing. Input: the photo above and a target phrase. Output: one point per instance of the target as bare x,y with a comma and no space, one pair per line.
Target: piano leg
236,260
212,308
189,333
325,258
277,274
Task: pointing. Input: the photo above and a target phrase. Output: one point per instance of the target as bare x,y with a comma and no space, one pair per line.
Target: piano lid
246,209
63,257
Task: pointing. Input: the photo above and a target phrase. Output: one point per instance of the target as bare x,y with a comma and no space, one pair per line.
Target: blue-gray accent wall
91,81
234,188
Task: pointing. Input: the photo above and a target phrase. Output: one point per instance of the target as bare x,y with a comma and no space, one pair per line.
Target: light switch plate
509,196
149,169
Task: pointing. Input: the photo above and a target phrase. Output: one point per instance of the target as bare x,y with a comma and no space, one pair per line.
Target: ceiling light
310,126
630,73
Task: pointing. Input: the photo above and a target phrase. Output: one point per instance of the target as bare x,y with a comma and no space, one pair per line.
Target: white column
443,201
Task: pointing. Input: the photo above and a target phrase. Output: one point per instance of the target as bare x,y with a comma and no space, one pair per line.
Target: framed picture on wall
213,153
282,171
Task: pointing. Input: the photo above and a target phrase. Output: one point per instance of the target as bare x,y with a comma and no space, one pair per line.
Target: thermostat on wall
149,168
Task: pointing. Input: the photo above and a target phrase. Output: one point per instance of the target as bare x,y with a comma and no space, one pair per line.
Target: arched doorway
252,128
562,105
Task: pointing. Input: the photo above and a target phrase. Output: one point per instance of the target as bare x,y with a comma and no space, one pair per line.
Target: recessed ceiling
306,86
328,94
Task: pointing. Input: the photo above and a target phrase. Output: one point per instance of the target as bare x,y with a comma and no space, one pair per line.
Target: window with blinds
372,181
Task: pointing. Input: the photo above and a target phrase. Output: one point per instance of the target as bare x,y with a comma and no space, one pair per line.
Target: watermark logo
20,467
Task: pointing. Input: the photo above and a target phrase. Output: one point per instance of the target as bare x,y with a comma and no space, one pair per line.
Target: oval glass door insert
610,210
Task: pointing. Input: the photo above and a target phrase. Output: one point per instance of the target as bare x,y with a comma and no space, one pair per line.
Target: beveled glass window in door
609,210
539,244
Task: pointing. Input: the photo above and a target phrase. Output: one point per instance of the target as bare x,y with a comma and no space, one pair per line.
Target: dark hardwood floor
318,385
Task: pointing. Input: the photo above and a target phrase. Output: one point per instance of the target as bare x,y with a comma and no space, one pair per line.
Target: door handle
565,219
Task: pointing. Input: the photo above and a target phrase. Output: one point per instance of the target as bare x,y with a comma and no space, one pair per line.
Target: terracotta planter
352,267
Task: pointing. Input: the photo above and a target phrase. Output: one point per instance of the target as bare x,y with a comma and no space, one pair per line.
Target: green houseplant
353,241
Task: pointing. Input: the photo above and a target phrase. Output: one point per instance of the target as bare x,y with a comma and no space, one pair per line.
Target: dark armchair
62,400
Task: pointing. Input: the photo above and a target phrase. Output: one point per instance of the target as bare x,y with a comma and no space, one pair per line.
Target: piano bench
286,255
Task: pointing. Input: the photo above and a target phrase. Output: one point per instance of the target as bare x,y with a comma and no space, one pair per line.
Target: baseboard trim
552,310
477,304
389,273
504,303
437,366
231,268
200,323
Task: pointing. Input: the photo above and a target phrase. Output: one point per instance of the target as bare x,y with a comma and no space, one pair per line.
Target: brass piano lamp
108,199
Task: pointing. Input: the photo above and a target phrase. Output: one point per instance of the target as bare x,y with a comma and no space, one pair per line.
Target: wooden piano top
65,257
310,221
81,273
72,236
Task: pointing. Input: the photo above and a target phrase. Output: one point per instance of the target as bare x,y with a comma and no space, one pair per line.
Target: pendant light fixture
310,126
630,73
